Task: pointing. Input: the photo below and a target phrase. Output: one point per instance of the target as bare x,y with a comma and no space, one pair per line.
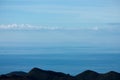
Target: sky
74,22
59,12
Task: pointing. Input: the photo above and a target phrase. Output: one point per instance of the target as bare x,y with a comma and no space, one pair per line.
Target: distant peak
35,69
90,71
112,72
87,73
19,73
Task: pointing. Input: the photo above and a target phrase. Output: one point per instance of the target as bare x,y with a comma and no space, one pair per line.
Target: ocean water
72,60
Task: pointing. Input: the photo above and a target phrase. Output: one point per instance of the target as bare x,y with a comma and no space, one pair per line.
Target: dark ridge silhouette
109,76
39,74
87,75
18,73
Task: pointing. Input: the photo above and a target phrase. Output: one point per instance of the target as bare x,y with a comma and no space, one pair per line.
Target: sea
67,59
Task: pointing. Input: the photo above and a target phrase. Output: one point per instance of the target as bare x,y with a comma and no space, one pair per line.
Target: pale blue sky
59,12
86,22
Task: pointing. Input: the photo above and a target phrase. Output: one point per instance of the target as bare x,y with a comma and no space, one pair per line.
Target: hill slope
39,74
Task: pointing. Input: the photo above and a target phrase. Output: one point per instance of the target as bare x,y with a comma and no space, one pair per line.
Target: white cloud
33,27
26,27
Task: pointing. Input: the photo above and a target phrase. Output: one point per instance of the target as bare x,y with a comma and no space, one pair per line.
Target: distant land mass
39,74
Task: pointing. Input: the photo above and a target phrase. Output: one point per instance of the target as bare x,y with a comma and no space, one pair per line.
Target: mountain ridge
40,74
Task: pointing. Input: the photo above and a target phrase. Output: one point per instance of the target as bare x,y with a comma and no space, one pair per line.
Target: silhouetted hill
87,75
91,75
39,74
109,76
18,73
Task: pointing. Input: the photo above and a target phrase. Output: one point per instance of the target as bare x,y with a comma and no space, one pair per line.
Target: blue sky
59,12
86,22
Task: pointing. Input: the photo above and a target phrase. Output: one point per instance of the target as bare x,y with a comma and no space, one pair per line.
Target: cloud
26,27
33,27
79,28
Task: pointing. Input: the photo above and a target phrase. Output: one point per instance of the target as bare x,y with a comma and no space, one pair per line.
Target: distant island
39,74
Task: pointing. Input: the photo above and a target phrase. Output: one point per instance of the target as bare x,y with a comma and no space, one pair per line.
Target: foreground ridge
39,74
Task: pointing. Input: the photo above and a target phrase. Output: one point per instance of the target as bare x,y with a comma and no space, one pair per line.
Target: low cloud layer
33,27
26,27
